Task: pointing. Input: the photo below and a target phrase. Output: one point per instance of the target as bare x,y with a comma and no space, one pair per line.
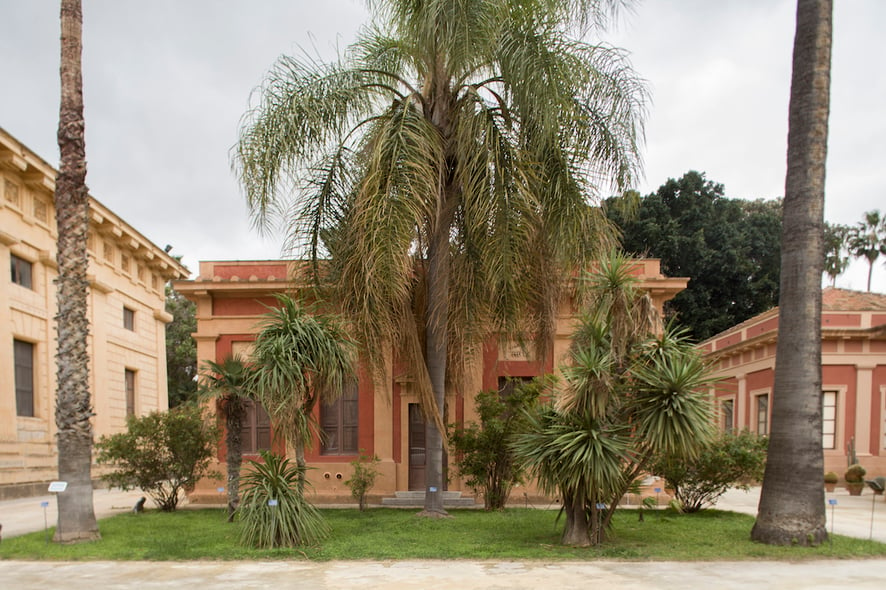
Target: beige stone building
127,275
379,416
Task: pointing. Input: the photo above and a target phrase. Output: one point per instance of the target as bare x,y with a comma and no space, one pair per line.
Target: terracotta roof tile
833,299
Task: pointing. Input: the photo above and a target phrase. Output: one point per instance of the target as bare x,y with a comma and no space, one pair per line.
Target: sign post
55,487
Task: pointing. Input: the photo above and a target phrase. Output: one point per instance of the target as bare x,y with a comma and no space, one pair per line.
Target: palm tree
300,357
628,396
230,384
445,166
836,260
73,410
867,239
792,509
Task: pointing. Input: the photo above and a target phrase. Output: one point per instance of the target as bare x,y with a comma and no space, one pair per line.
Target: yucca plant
273,511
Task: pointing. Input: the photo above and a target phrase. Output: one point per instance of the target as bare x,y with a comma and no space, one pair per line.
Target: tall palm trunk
792,509
233,409
76,515
436,341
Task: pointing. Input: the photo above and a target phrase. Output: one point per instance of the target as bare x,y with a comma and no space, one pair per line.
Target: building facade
127,276
377,415
853,396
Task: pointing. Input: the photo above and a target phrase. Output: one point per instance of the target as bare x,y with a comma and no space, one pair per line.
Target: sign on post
58,486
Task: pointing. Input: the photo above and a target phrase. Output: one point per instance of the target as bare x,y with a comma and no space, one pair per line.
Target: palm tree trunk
792,509
436,341
577,530
234,452
76,514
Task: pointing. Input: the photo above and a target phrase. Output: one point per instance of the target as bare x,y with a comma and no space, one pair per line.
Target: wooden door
417,456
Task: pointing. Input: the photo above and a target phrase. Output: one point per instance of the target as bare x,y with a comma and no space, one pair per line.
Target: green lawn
399,534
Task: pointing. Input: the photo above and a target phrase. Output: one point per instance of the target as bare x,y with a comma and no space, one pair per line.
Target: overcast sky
167,81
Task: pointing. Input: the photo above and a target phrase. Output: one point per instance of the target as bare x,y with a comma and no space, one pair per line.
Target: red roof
833,299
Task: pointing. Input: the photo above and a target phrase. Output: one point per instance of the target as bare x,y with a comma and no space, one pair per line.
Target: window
129,384
829,419
24,377
256,433
763,414
728,415
21,271
338,423
128,319
506,385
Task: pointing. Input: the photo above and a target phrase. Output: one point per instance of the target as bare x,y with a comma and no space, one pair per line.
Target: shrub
163,453
273,511
855,474
831,477
363,477
732,460
484,455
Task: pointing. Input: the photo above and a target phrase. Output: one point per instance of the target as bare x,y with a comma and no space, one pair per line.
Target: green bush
484,455
273,512
855,474
831,477
163,453
364,476
732,460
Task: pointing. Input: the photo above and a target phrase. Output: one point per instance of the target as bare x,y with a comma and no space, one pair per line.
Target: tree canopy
729,249
181,350
444,164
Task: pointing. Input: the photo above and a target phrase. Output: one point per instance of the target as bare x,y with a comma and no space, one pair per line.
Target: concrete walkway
851,516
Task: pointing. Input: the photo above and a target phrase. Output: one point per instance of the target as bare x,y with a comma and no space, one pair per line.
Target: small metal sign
220,490
272,502
44,504
832,502
601,506
657,490
58,486
432,489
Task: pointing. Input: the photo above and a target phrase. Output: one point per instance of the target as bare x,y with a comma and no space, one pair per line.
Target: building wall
125,269
231,298
853,366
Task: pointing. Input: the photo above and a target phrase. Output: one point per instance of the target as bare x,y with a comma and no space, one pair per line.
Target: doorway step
416,499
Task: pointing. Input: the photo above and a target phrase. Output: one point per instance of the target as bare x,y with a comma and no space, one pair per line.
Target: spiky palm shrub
628,394
273,510
300,357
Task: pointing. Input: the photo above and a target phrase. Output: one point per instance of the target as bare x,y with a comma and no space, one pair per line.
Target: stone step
416,499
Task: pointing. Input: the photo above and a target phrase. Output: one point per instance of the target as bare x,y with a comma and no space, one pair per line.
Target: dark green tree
181,350
729,248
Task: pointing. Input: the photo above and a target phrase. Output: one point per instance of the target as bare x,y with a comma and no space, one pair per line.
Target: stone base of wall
35,488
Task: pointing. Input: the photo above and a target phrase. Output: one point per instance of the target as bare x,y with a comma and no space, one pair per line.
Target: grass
389,534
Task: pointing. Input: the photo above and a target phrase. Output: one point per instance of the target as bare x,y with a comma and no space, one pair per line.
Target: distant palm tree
792,508
73,406
230,384
446,165
300,357
867,239
836,258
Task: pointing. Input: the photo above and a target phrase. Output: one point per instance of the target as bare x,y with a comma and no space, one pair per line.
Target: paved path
851,516
463,575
